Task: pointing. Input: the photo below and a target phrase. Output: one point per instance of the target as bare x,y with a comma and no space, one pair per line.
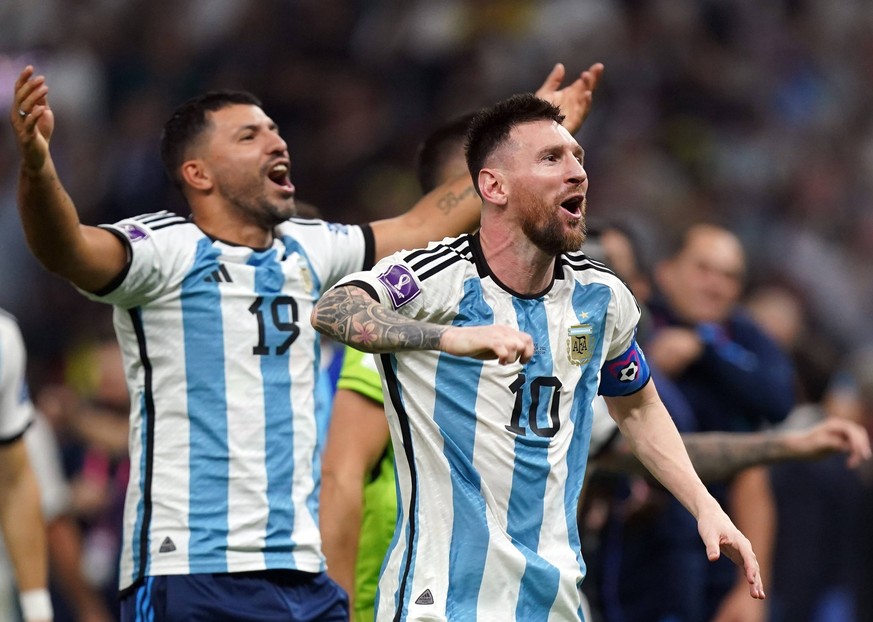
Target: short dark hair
189,121
440,146
490,127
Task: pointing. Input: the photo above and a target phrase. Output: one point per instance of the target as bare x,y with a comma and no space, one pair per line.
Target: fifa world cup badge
580,344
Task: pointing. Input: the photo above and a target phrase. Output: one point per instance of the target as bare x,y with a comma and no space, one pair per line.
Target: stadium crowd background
755,114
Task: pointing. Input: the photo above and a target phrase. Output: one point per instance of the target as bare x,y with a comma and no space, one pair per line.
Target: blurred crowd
754,115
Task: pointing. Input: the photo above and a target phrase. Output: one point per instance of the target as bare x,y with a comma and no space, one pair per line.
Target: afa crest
580,344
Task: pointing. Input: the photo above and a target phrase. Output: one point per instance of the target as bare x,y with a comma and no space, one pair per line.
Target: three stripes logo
220,275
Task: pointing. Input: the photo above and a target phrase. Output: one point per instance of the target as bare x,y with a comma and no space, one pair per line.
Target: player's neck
223,225
516,261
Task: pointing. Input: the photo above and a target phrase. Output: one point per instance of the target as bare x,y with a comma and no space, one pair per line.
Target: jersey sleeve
397,286
158,258
359,374
625,370
16,411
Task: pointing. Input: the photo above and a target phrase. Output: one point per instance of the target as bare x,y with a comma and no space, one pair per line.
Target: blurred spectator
733,378
817,502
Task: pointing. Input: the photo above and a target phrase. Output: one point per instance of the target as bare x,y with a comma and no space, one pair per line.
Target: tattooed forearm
350,315
719,456
450,200
716,456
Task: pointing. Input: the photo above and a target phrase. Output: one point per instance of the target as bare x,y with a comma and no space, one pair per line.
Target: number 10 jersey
490,458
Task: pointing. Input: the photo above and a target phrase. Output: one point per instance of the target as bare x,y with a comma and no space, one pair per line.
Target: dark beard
252,202
549,237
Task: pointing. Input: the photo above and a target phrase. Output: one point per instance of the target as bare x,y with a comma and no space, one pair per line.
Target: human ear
492,185
194,174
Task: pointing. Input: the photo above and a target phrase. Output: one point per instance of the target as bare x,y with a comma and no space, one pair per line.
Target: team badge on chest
580,344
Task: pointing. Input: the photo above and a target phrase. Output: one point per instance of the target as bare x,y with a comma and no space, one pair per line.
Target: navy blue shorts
265,596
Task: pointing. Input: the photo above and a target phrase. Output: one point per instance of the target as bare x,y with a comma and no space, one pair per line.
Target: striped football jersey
490,458
222,365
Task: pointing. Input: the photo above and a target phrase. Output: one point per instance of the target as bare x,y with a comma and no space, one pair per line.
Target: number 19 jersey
222,364
490,459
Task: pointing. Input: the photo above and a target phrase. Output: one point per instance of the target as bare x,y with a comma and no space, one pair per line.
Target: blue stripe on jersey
592,299
457,387
207,413
323,407
278,410
539,584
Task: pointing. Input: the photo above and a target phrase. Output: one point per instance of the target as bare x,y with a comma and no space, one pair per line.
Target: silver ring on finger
21,113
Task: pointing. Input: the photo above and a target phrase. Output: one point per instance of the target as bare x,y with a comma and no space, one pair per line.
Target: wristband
36,604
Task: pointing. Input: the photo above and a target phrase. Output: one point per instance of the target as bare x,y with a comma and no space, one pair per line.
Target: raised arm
89,257
575,99
646,424
453,208
350,315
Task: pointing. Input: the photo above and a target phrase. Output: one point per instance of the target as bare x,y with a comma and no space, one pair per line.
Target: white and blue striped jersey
16,410
490,459
222,365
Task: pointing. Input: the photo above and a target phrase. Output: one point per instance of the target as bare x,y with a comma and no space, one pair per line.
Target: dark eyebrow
254,127
554,149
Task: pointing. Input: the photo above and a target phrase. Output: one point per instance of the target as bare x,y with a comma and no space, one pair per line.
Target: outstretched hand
836,435
719,535
32,119
575,99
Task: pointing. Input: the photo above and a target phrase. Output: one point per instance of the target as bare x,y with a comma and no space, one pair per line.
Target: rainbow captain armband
625,374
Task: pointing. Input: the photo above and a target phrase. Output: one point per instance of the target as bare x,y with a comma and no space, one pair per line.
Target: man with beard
492,347
221,517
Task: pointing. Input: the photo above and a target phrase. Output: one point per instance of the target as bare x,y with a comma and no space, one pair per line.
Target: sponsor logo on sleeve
401,285
133,232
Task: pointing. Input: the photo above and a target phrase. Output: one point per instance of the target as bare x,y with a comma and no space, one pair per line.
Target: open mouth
574,205
278,174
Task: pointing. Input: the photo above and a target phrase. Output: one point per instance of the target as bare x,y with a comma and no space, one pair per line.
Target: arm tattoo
719,456
350,315
450,200
716,456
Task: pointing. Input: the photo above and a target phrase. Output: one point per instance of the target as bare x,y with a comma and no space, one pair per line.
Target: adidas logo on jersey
219,276
167,546
426,598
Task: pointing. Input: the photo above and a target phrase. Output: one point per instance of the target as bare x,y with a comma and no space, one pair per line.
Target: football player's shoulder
155,225
438,257
588,270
